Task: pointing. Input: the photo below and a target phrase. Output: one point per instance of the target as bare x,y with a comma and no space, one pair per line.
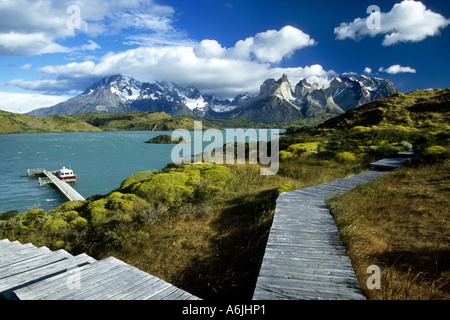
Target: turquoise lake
101,161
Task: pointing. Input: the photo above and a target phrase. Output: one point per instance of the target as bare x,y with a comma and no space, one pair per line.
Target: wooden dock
69,192
31,273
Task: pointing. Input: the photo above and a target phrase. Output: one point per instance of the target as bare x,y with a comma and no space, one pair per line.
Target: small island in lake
166,139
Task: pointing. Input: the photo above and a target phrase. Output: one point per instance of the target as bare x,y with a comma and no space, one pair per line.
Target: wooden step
30,273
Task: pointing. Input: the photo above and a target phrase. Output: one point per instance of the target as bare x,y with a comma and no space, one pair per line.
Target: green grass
400,223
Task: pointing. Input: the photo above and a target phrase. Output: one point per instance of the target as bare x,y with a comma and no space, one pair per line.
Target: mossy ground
401,224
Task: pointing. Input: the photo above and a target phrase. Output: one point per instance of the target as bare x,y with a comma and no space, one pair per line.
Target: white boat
66,175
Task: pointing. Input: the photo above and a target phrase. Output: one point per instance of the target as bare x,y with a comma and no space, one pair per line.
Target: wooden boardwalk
70,193
30,273
304,258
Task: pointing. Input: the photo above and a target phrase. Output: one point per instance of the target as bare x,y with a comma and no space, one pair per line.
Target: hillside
19,123
418,120
134,121
422,110
156,121
129,121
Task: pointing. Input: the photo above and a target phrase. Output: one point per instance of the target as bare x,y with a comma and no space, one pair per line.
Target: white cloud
29,27
26,66
272,46
91,46
368,70
17,44
48,85
408,21
397,69
207,65
26,102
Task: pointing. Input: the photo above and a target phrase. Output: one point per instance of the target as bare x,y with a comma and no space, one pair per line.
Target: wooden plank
40,274
387,164
21,256
101,270
35,275
106,283
58,284
33,263
147,292
133,289
299,289
11,247
162,294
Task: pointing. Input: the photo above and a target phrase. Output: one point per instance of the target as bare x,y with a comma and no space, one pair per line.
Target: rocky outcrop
277,102
351,92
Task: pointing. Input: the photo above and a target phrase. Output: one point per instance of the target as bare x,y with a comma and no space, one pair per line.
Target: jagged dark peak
304,83
338,83
284,78
192,92
243,98
304,87
268,86
280,88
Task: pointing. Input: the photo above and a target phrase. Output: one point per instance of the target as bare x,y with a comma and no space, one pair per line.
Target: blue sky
49,53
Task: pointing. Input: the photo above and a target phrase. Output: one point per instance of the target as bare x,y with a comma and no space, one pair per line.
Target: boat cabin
66,175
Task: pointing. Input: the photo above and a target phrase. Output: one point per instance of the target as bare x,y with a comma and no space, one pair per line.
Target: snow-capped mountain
121,93
275,102
352,92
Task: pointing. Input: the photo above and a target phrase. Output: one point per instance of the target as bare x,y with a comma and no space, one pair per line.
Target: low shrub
140,176
79,223
286,155
299,148
55,226
345,157
428,156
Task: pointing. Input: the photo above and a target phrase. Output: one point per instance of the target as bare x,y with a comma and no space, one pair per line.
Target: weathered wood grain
30,273
304,258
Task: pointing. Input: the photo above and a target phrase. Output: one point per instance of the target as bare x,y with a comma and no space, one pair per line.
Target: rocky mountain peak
280,88
352,92
284,78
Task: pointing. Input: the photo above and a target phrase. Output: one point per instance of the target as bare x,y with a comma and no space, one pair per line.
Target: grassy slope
421,110
400,223
18,123
131,121
205,229
139,120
